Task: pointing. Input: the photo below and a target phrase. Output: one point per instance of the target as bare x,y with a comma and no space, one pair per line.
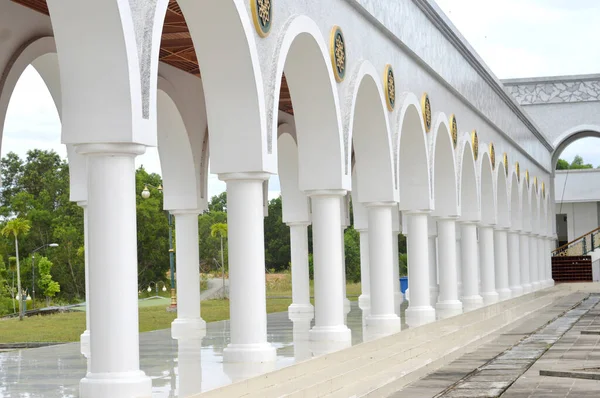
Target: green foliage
352,249
277,238
218,203
576,164
218,230
403,260
211,245
45,283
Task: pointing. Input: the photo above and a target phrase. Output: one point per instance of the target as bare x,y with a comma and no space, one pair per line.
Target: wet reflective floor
190,367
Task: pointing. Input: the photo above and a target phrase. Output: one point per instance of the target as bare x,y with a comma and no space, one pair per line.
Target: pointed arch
295,203
302,54
488,189
443,169
516,204
502,196
414,178
470,205
525,205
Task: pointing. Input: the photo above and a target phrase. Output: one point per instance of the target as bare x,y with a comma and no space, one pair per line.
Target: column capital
298,223
446,218
106,149
468,222
82,203
326,192
501,228
416,212
380,204
179,212
251,176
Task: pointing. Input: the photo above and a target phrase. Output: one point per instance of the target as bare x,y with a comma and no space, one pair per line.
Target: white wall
581,217
581,186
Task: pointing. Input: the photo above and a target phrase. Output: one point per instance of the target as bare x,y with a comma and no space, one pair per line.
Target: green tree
578,164
277,238
220,230
562,164
17,227
218,202
45,282
352,251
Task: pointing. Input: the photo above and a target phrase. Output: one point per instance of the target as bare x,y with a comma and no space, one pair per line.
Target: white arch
369,136
443,169
526,207
413,156
470,204
295,204
502,196
488,188
516,219
302,54
570,136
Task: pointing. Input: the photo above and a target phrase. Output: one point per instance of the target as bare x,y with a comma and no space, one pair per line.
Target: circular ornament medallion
505,160
262,13
518,170
389,84
426,110
492,155
475,144
454,130
527,177
337,49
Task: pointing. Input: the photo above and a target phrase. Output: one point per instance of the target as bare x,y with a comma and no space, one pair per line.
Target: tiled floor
195,366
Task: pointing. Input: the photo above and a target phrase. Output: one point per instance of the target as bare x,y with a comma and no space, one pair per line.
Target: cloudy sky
516,38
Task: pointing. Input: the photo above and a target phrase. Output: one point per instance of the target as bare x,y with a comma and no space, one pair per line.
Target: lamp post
146,195
164,288
33,269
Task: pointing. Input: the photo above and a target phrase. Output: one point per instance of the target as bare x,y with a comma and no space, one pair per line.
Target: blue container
403,284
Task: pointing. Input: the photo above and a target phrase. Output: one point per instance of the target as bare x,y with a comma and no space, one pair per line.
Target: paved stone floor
510,365
55,371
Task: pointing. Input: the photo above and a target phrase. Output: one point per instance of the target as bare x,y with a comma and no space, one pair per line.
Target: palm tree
17,227
220,229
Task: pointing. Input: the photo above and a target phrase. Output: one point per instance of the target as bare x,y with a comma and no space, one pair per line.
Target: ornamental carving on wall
337,48
389,84
454,130
262,13
426,111
555,92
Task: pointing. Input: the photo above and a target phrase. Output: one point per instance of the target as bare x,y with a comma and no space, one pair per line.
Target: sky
515,38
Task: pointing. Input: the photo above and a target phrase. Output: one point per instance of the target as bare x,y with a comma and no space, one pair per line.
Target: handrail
564,249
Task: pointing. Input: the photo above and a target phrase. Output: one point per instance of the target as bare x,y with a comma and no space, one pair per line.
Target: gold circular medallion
475,144
492,155
337,49
389,84
505,160
527,177
426,111
544,190
518,171
262,13
535,184
454,130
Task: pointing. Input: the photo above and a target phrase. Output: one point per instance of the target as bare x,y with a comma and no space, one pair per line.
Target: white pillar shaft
470,284
458,259
247,297
381,259
189,323
344,295
365,283
514,264
420,310
85,337
112,255
396,273
433,277
448,303
300,274
524,262
501,263
328,269
487,266
541,261
533,266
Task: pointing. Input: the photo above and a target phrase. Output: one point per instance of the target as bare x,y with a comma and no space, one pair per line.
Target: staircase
573,262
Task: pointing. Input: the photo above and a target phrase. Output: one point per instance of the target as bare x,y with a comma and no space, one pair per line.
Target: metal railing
581,246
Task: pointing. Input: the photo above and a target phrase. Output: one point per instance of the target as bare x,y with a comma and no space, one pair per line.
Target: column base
84,342
407,295
490,298
447,309
249,353
516,291
347,305
384,325
188,328
471,303
504,294
527,288
550,282
536,286
398,299
419,316
434,293
116,385
339,333
364,302
300,309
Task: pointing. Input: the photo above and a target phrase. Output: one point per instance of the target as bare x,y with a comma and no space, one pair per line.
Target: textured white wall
581,186
581,217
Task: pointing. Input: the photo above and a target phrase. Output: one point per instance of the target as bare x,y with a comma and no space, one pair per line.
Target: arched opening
469,196
488,196
443,167
502,196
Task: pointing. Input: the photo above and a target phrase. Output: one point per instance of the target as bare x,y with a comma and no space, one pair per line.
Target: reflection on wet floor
177,368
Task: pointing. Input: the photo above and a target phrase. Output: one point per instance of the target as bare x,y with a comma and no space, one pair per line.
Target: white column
487,266
533,265
448,304
471,299
514,264
419,311
541,260
551,246
85,336
524,261
501,263
347,305
398,299
188,324
382,317
300,275
458,259
247,296
364,300
433,277
112,250
328,268
189,365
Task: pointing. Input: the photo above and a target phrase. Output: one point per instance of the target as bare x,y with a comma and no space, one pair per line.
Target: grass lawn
69,326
